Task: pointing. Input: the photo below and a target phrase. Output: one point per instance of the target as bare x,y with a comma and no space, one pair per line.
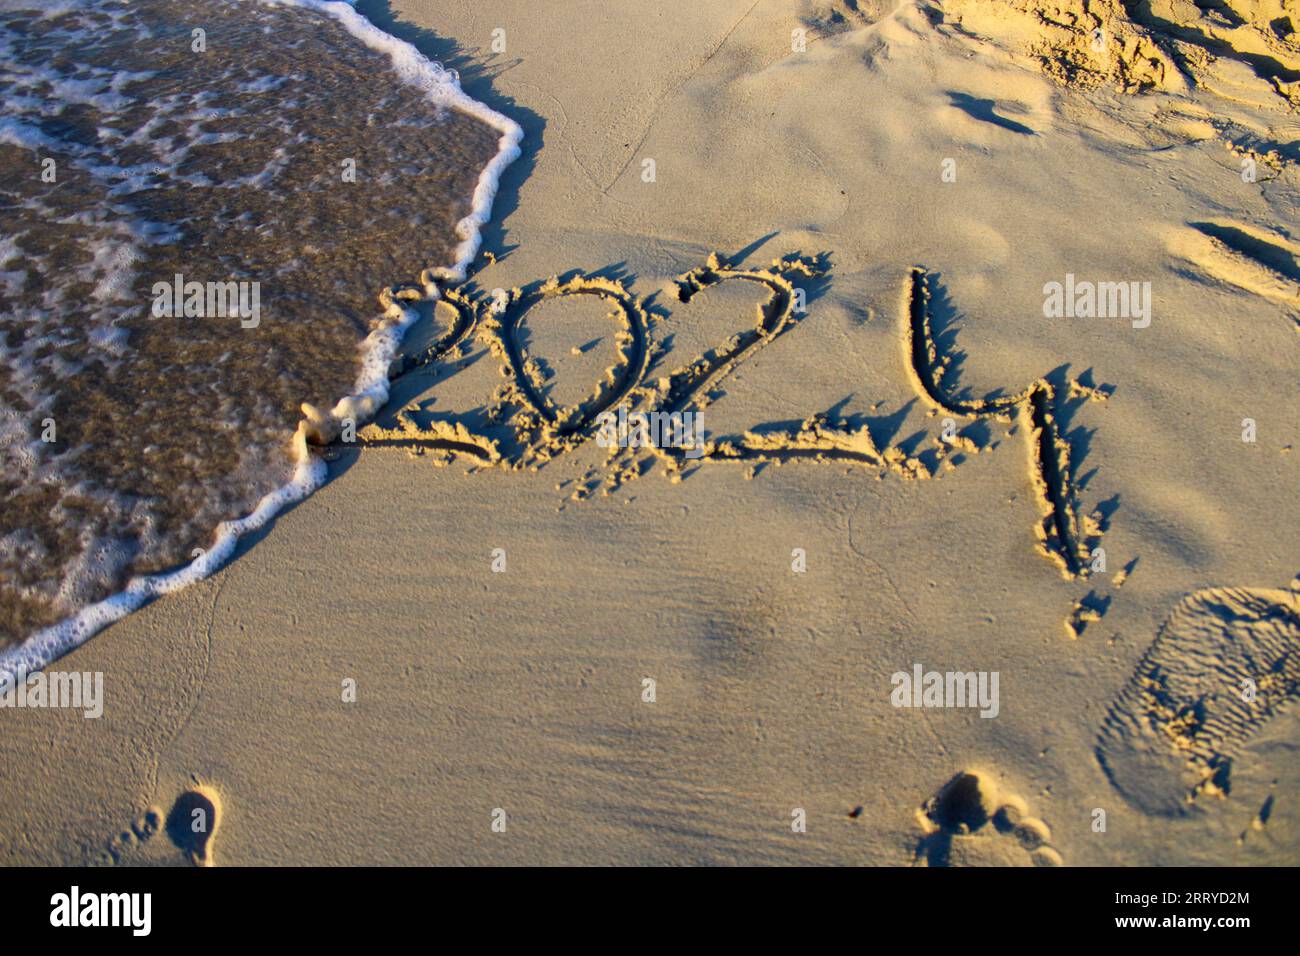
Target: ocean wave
168,156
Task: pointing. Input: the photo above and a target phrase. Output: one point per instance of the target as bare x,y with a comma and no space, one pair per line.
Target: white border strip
377,352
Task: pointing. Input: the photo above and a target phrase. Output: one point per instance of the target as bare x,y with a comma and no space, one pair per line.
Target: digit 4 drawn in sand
1062,536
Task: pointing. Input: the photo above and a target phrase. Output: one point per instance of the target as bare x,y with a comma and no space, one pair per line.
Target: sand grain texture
522,690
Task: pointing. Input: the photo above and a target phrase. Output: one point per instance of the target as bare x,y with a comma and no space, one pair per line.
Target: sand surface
522,690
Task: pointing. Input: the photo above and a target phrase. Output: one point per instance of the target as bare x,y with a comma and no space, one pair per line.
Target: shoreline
378,351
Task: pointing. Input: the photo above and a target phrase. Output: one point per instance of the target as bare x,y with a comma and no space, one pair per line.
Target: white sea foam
377,351
443,87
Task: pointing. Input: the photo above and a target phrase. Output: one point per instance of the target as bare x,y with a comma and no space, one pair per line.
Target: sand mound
833,16
1246,50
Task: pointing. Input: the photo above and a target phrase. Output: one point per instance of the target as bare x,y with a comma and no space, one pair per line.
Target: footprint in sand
1259,261
142,830
193,823
1225,662
970,822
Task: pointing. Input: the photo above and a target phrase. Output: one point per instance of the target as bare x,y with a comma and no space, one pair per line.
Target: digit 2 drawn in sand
543,430
817,439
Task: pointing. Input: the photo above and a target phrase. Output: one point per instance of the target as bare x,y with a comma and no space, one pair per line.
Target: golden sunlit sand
840,254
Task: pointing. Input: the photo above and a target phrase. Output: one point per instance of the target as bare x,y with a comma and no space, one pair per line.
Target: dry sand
522,690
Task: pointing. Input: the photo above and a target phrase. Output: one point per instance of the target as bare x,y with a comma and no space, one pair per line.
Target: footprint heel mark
972,822
1060,533
193,823
546,428
1222,665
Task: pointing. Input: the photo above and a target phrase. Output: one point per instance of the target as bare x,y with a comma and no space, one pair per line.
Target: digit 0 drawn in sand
1062,536
1224,663
543,430
972,822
